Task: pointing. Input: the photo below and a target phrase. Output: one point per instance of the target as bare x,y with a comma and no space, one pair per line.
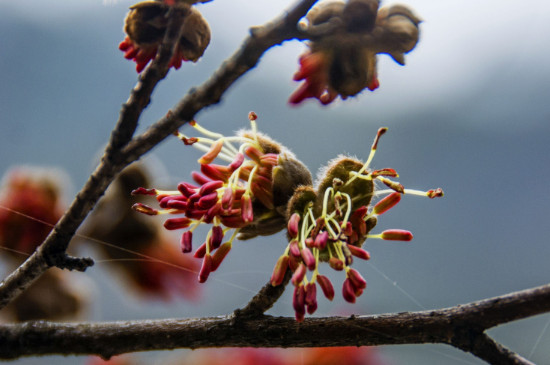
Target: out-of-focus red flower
248,196
342,60
30,204
142,252
146,24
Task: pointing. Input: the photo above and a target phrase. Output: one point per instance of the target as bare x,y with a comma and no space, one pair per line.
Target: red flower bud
295,249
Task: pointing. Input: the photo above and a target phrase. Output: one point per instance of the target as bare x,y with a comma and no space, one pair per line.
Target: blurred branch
462,326
123,150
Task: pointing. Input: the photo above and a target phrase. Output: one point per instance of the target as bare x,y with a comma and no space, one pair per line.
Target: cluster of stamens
332,223
224,196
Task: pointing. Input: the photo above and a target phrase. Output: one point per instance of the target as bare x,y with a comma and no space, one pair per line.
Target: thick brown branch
461,326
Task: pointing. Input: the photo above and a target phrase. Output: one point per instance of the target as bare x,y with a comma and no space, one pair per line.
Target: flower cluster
248,195
264,189
332,222
146,24
346,37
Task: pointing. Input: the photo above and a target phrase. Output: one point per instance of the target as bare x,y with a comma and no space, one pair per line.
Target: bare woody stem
122,149
462,326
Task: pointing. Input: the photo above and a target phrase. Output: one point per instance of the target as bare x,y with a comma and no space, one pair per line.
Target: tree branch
461,326
55,245
117,156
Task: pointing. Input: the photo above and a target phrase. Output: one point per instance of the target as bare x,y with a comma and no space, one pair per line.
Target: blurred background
469,113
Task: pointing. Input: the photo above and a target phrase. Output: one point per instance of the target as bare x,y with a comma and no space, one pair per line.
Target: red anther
200,178
387,203
262,181
237,162
143,191
246,208
206,268
356,279
175,204
384,172
396,235
358,252
210,187
435,193
145,209
263,195
177,223
207,201
201,251
308,258
269,159
214,173
233,221
216,237
187,189
227,198
321,240
348,229
252,116
293,262
336,264
219,255
293,226
195,213
381,131
254,154
295,249
212,212
348,291
326,286
298,275
310,242
189,141
298,302
280,270
214,151
311,298
186,242
393,185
